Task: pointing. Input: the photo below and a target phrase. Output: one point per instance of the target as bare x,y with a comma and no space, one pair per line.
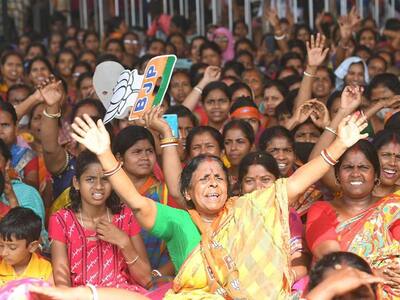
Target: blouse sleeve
395,230
57,228
321,224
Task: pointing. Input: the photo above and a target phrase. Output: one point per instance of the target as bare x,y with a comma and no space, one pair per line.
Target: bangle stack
95,295
331,130
199,90
279,37
328,158
113,170
132,261
52,116
168,142
308,74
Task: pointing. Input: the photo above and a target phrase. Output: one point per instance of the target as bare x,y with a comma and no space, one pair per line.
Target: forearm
145,209
305,91
25,107
84,293
168,269
140,269
194,96
312,171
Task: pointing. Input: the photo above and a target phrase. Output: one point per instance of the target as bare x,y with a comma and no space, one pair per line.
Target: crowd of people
283,182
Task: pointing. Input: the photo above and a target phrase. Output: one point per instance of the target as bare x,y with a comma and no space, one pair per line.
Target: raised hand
351,98
348,23
51,91
212,73
153,119
320,114
303,112
93,137
350,128
272,17
316,53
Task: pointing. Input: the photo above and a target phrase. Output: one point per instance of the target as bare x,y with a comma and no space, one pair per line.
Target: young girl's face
93,186
8,130
236,145
139,159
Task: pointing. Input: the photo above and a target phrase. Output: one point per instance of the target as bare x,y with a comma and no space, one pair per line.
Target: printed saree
368,235
254,232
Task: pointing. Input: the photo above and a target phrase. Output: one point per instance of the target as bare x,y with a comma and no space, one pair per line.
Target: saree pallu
368,235
255,232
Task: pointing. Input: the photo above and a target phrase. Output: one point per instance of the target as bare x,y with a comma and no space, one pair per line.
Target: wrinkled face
295,63
131,44
322,85
94,188
12,69
355,75
208,188
272,98
65,64
17,96
139,159
36,121
257,178
216,106
356,175
92,43
8,130
86,88
254,81
210,57
15,252
39,72
283,152
156,48
375,67
204,144
179,87
307,133
367,39
236,145
389,158
115,49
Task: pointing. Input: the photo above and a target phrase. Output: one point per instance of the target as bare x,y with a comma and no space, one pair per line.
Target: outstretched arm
349,133
96,139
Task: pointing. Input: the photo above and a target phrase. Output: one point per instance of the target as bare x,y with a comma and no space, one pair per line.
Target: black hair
18,86
129,136
182,111
181,22
86,51
210,45
84,159
331,99
113,41
384,51
278,74
9,108
330,73
282,109
87,34
298,27
199,130
237,86
295,43
244,126
245,41
279,85
4,151
181,71
359,34
288,56
191,167
195,76
82,64
64,51
387,80
2,182
215,85
234,65
7,54
303,150
57,17
154,40
393,123
366,148
242,102
385,137
32,111
38,45
43,60
89,101
273,132
178,34
237,22
21,223
291,79
376,56
329,261
244,53
106,57
258,158
392,24
113,23
362,48
141,63
82,77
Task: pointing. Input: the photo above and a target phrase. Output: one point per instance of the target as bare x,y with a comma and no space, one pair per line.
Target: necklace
207,220
81,219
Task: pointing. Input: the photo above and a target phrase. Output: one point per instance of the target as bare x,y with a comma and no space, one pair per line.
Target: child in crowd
19,241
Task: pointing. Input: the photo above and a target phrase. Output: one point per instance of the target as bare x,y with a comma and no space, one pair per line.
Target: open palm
93,137
52,91
350,128
315,50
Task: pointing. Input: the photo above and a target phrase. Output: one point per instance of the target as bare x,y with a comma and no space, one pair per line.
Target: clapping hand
316,53
93,136
350,128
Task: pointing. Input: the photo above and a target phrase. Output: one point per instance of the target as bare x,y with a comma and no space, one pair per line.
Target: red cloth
33,165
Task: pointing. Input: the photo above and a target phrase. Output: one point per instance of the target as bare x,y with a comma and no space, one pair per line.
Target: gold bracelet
168,140
113,170
51,116
132,261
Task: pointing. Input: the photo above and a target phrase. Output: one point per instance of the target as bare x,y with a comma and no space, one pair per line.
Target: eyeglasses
133,42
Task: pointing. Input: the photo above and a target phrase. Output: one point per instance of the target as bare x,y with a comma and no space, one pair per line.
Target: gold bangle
113,170
132,261
51,116
168,140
